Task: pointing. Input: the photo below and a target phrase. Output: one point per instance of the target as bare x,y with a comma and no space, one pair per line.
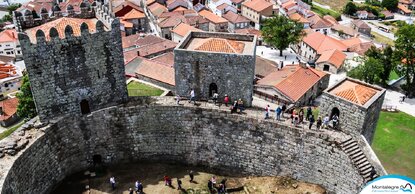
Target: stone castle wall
63,72
215,139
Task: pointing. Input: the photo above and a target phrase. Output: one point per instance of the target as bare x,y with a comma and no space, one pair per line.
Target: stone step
350,146
361,162
346,142
353,151
365,171
364,168
358,157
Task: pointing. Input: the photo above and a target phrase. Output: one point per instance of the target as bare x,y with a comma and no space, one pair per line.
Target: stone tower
216,62
77,68
357,105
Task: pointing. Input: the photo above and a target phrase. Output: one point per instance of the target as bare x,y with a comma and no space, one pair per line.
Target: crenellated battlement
25,20
75,65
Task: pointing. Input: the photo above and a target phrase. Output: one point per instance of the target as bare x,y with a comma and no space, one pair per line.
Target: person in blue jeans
278,111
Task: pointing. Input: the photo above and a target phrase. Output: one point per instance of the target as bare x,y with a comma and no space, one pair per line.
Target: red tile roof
182,29
297,17
257,5
249,31
264,67
334,57
8,35
167,59
235,18
7,70
222,6
354,92
139,41
212,17
157,9
60,25
152,49
156,71
133,14
9,108
170,22
404,9
293,80
321,42
344,29
221,45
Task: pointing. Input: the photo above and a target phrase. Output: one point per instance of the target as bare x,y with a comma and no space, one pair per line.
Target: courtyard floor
151,176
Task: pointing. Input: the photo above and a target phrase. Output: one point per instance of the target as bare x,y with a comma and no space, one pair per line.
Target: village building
344,31
8,112
252,31
236,21
224,7
330,61
361,27
402,9
9,44
155,10
217,5
388,15
314,44
149,47
10,79
138,20
318,24
153,71
256,10
181,30
299,18
216,23
238,5
293,84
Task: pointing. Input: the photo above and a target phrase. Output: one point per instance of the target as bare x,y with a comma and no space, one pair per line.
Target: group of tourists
213,185
301,116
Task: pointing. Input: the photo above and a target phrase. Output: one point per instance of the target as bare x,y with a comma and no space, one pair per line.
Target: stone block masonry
75,74
230,143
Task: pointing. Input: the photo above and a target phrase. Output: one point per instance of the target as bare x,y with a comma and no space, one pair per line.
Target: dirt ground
151,176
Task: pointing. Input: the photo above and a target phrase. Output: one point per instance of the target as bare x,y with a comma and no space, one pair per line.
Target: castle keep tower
356,103
75,65
216,62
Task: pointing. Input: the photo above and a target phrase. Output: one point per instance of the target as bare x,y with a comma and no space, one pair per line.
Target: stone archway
212,89
335,111
85,107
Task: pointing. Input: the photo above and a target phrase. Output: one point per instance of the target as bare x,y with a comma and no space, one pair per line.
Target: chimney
138,53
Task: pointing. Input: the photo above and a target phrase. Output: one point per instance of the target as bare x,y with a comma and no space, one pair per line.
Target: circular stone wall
196,136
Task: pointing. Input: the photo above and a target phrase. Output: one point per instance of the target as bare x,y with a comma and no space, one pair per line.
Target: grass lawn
383,39
393,76
394,143
140,89
11,129
335,5
322,12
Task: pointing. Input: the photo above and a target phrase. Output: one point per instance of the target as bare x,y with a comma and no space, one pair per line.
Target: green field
140,89
11,129
394,143
335,5
322,12
383,39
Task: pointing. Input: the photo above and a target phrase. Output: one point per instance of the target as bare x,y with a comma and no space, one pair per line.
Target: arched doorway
212,89
335,111
85,107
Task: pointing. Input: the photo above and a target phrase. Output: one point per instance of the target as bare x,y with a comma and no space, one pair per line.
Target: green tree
405,44
13,7
390,4
350,8
280,32
388,64
26,107
368,72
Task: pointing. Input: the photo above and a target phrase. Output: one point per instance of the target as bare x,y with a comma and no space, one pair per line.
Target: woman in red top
226,100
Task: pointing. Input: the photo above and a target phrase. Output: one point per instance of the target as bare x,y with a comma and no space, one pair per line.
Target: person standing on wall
226,100
267,112
191,175
278,113
112,182
311,120
192,96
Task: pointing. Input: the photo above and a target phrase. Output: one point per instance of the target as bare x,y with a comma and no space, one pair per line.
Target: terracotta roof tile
361,48
293,80
334,57
8,35
182,29
180,8
152,49
156,71
126,24
351,41
249,31
235,18
7,70
221,45
297,17
257,5
60,25
404,8
125,6
157,9
237,1
9,108
317,22
321,42
171,21
354,92
212,17
264,67
344,29
166,59
298,83
222,6
134,14
360,24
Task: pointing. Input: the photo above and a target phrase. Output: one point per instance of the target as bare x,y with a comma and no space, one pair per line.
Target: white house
213,5
9,44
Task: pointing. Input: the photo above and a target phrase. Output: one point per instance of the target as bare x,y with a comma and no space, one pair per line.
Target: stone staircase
359,159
